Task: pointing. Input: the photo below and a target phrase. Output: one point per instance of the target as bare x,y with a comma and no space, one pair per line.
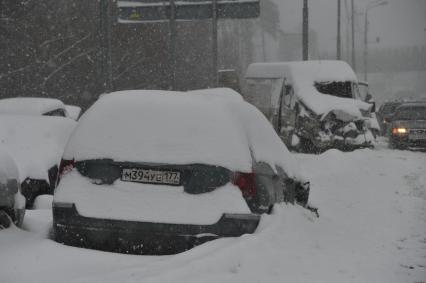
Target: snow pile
303,76
29,105
371,229
35,142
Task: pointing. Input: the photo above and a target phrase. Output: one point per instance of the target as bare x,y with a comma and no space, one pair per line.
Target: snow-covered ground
372,228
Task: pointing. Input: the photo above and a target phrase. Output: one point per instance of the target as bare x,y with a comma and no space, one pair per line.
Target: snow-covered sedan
12,203
160,172
33,106
36,143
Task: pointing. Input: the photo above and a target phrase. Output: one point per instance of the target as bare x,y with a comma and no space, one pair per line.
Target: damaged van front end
337,129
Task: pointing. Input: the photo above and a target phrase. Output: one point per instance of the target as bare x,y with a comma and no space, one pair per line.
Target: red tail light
65,167
246,182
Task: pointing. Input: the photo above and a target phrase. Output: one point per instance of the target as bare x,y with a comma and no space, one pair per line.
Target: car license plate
150,176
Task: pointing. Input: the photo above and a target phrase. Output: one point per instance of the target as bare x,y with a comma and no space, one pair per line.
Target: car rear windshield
339,89
389,108
168,128
411,113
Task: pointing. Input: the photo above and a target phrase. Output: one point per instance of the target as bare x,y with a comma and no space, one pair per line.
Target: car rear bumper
134,237
405,142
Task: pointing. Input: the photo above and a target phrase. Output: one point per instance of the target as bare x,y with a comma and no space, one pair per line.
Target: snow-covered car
36,143
33,106
160,172
313,105
12,203
408,126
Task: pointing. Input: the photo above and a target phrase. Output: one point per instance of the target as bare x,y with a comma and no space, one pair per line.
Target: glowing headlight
399,131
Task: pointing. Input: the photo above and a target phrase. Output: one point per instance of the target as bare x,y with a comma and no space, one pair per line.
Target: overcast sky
401,22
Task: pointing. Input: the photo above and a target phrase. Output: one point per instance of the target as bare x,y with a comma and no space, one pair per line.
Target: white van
313,105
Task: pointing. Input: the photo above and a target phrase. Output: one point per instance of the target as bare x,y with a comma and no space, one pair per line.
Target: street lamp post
338,41
371,5
305,36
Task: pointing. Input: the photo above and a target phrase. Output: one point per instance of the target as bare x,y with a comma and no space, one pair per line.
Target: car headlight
365,113
399,131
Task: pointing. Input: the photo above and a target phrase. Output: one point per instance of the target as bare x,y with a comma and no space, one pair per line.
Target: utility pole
365,45
214,42
353,34
172,46
105,42
305,36
338,40
371,5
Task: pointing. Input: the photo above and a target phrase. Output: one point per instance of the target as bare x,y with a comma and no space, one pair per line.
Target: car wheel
19,217
307,146
5,220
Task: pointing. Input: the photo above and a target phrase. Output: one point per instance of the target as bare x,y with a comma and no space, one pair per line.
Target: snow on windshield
161,127
213,127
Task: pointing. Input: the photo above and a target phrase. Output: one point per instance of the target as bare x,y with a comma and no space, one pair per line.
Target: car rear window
411,113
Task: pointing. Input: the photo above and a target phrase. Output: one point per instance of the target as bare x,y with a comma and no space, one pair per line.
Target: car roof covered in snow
215,127
29,105
35,142
303,75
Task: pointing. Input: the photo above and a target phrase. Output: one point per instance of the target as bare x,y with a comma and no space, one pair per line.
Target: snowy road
372,228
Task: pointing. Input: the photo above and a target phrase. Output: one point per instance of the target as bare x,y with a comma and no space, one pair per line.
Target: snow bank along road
372,228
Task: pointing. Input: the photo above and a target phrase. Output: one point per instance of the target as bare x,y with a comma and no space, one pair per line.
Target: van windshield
339,89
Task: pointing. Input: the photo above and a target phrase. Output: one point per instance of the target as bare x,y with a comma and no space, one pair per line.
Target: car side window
288,96
57,112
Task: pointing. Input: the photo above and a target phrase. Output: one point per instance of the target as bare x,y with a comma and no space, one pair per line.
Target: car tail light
246,182
399,131
65,167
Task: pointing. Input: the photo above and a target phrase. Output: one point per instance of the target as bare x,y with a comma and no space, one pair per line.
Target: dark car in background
385,113
408,126
158,172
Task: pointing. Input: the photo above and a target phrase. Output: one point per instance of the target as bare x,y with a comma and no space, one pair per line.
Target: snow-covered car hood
35,142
